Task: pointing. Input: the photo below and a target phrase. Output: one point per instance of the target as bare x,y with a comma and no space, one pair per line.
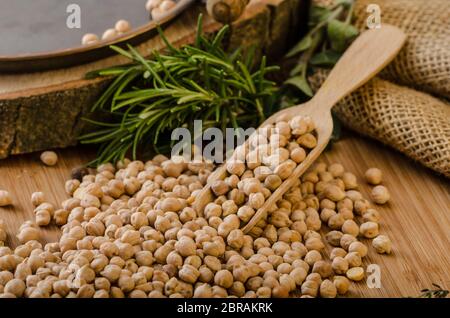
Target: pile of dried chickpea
129,231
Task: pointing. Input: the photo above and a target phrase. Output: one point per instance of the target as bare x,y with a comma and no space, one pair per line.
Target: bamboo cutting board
417,219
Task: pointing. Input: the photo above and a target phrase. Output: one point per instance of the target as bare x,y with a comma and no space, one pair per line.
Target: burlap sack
424,62
412,122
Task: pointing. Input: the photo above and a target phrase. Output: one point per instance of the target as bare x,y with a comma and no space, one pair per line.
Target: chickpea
189,274
49,158
186,246
353,259
310,288
314,243
369,229
335,222
235,239
89,38
15,286
122,26
5,198
347,240
380,194
280,291
326,214
350,227
359,248
307,141
349,180
373,176
382,244
256,200
361,206
355,273
339,265
334,193
312,257
203,291
336,169
334,238
224,278
342,284
371,215
28,234
323,268
43,217
285,169
37,198
327,289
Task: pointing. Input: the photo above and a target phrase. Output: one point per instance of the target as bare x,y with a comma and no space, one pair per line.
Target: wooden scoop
367,55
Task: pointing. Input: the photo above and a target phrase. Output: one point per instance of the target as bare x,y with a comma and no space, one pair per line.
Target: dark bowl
61,58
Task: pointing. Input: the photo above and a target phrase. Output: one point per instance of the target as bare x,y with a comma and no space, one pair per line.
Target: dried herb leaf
327,58
301,83
340,34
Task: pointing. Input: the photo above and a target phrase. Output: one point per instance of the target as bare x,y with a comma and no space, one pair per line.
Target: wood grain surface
417,219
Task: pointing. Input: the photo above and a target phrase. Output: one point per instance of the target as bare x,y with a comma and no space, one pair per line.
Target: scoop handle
365,57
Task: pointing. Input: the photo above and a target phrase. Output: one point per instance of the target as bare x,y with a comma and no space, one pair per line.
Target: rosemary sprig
151,97
437,292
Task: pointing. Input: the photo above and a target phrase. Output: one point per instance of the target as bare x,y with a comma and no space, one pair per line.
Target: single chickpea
342,284
256,200
149,6
310,288
326,214
339,265
334,238
347,240
328,289
28,234
369,229
49,158
336,169
312,257
15,286
122,26
350,227
5,198
359,248
323,268
353,259
355,273
37,198
109,34
280,292
382,244
380,194
361,206
272,182
334,193
314,243
224,278
371,215
349,180
89,38
166,5
43,217
298,154
336,221
373,176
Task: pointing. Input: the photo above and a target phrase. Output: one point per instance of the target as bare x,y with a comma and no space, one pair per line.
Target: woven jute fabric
424,61
415,123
